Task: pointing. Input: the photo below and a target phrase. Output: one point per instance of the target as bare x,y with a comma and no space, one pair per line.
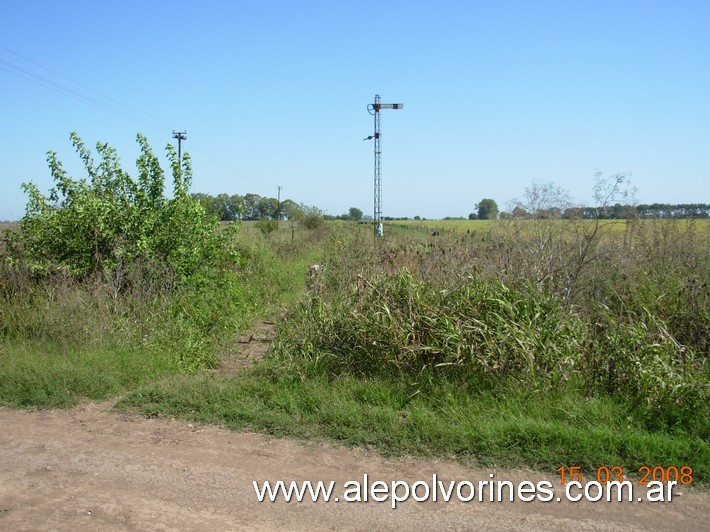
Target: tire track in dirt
91,468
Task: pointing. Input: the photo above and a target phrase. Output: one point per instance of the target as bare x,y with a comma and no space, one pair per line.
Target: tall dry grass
537,303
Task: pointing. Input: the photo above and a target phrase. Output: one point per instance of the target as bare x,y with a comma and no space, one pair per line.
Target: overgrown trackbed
251,346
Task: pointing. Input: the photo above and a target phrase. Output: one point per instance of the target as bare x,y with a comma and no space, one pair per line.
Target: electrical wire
137,116
48,84
140,112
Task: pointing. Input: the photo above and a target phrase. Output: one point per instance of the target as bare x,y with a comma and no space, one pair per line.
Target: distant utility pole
180,136
374,110
278,203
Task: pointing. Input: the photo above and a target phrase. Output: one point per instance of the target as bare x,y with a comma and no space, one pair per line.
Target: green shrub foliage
110,223
428,315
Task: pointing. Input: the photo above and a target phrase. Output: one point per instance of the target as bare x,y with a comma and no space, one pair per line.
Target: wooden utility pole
180,136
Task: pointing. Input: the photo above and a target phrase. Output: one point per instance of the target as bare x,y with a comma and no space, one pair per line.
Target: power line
201,147
42,81
139,111
70,93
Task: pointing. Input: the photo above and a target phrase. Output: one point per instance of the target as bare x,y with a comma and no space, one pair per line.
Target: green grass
395,347
513,429
48,375
63,342
484,226
275,268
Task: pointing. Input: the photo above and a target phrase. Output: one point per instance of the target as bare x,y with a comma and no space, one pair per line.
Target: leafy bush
112,263
267,225
109,224
311,217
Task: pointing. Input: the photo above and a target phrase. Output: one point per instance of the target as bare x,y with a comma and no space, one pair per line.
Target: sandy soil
91,468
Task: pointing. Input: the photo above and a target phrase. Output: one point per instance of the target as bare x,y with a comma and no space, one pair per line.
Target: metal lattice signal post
374,109
278,203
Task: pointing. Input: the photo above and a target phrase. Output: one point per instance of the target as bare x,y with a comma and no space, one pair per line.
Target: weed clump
413,320
114,263
397,325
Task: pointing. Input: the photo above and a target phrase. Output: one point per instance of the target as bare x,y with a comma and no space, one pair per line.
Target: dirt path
251,346
93,469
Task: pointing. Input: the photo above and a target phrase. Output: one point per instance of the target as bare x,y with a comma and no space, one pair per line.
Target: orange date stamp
605,474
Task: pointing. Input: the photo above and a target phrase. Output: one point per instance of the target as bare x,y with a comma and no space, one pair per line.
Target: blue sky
497,94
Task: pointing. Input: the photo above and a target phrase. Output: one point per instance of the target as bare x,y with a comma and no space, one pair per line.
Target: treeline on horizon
250,207
654,210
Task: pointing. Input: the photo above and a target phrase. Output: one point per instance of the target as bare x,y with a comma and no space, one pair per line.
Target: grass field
484,226
538,343
450,226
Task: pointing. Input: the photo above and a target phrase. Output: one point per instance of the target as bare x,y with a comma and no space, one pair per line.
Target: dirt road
93,469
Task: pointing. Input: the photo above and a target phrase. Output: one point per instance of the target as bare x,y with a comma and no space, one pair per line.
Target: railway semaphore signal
374,109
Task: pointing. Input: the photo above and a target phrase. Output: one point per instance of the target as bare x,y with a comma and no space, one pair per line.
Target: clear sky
496,94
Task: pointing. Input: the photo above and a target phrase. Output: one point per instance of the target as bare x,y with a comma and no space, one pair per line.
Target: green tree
109,223
268,208
355,214
487,209
291,209
226,209
251,207
237,203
